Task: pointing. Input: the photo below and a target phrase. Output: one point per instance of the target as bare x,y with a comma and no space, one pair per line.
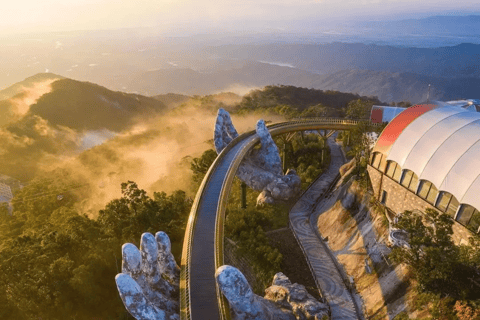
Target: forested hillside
60,246
293,101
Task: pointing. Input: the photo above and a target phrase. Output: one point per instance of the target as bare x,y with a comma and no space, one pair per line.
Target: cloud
155,153
239,89
30,95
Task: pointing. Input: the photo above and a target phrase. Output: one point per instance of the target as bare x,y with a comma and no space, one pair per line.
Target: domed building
428,156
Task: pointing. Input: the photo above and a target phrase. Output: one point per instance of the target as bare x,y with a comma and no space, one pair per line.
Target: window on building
398,173
414,183
474,224
428,191
390,168
394,171
410,180
424,188
452,207
443,201
469,217
447,203
377,157
432,194
384,197
407,177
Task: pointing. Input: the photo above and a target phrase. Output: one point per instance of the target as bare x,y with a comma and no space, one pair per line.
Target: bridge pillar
244,195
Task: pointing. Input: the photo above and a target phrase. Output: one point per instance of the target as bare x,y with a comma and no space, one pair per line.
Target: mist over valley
107,119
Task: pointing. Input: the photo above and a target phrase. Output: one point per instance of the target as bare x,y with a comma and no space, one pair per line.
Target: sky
34,16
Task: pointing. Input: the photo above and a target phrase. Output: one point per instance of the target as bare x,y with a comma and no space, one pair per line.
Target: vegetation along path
328,274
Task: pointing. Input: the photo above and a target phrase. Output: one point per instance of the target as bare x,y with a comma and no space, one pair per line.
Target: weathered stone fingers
269,156
225,132
131,260
135,301
166,262
145,290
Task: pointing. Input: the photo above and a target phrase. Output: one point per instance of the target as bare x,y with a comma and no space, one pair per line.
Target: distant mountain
46,119
172,100
29,82
387,86
187,81
435,25
456,61
87,106
400,86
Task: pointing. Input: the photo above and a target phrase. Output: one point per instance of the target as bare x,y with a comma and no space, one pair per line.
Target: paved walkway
327,273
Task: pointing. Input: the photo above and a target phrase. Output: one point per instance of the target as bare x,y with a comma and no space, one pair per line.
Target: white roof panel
450,151
407,140
463,174
431,140
471,196
443,147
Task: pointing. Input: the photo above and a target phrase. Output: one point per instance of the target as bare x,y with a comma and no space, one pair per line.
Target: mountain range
369,58
387,86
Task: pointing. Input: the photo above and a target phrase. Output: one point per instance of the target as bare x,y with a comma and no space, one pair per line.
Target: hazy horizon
171,16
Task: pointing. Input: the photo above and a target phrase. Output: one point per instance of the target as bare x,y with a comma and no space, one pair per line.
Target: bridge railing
185,310
275,128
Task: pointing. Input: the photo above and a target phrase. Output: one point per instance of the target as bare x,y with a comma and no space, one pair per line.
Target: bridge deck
203,245
203,294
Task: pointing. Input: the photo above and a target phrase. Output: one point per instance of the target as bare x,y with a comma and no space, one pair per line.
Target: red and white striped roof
441,144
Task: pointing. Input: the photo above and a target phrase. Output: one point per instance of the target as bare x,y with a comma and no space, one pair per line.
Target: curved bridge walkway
202,253
325,268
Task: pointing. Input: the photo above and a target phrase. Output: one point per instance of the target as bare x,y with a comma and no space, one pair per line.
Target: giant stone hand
148,284
261,169
244,304
283,300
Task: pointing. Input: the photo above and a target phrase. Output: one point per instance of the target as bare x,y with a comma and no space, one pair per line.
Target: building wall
376,179
400,199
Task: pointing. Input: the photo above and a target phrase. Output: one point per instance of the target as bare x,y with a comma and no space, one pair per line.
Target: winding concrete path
326,270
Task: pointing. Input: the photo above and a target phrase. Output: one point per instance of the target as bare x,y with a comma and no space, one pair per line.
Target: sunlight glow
69,15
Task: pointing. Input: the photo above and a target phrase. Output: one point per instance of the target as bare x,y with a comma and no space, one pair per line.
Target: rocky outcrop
261,169
283,300
148,284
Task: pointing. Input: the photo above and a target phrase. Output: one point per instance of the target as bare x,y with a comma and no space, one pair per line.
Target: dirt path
328,274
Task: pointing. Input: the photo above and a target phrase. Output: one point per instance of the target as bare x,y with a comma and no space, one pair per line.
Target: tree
60,271
361,143
135,213
359,109
306,157
200,166
58,264
436,262
466,312
247,228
